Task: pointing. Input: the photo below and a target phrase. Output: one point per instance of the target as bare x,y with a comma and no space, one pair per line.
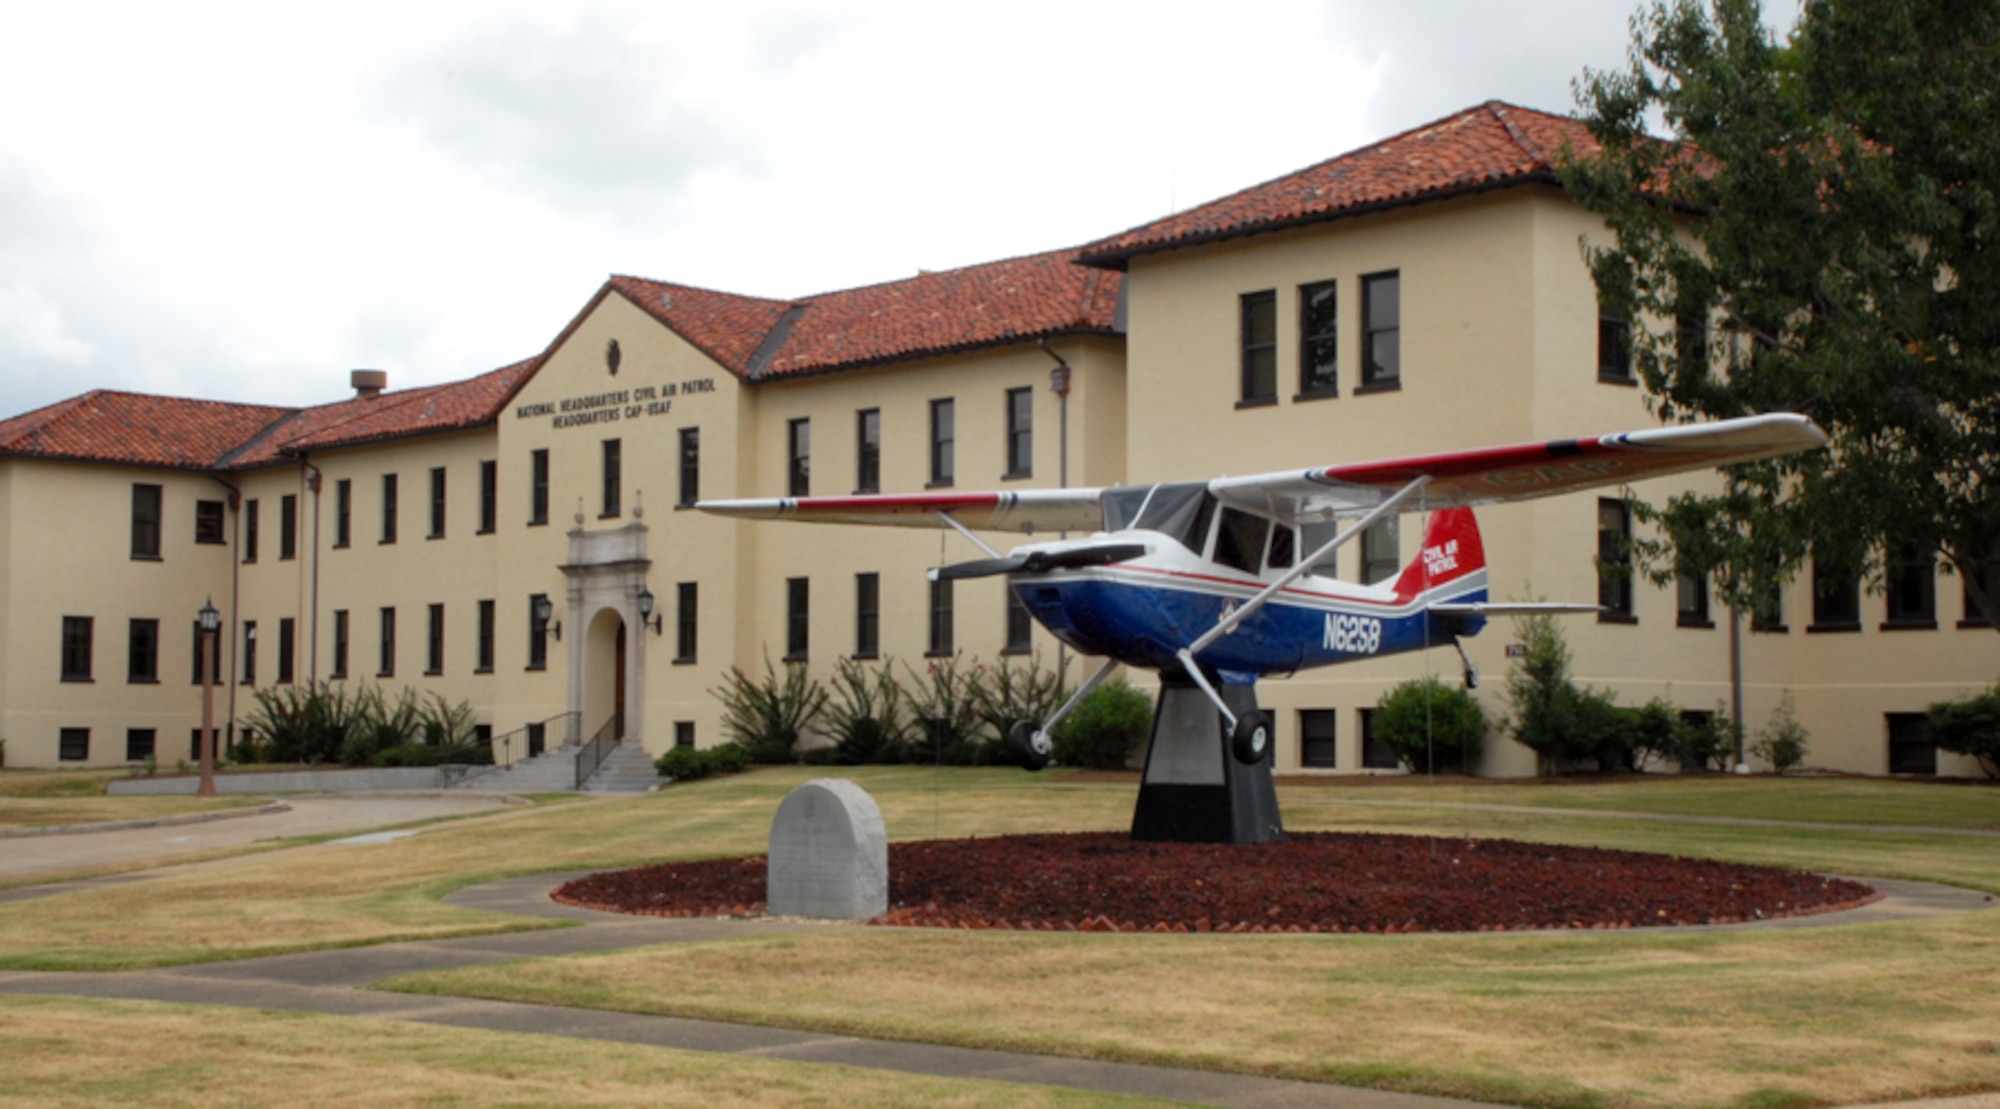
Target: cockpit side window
1283,547
1239,540
1180,511
1312,537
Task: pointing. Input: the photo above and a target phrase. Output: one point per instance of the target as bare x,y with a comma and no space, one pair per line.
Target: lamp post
646,617
210,621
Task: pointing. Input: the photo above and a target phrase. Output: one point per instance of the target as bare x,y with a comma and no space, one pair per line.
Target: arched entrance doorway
604,670
606,572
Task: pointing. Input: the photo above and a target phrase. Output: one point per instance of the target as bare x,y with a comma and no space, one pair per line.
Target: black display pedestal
1193,791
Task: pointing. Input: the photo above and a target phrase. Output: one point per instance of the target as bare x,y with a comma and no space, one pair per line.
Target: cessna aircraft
1215,581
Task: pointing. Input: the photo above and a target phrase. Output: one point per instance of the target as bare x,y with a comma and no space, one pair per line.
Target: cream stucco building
1425,293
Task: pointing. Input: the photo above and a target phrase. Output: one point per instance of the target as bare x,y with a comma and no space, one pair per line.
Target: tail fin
1451,550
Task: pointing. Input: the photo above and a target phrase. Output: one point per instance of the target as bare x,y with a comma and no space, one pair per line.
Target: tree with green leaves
1820,233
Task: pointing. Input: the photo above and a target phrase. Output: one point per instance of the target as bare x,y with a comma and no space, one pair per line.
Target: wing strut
967,532
1030,741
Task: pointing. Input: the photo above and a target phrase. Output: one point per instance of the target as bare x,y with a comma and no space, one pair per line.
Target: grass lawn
42,812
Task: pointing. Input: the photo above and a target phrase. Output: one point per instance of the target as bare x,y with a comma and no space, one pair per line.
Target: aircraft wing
1492,474
1025,510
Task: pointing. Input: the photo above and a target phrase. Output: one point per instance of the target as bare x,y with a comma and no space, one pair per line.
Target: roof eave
933,352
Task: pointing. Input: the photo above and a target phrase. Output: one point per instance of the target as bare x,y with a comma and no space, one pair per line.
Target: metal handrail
506,740
600,745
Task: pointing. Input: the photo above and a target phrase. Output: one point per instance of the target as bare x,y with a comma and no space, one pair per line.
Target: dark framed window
288,527
1908,752
343,512
1381,550
1989,579
1836,599
214,653
208,522
1258,339
798,458
538,486
250,530
1767,606
1313,536
145,521
1614,562
868,451
1691,337
538,738
489,496
1319,340
194,743
798,622
538,634
1284,548
142,651
1691,599
1614,346
386,648
940,628
287,647
484,664
867,615
1382,330
1020,626
77,632
614,479
139,744
1020,432
249,652
1912,575
436,530
687,620
339,643
1318,730
690,466
1239,540
434,640
944,441
388,508
73,745
1375,754
684,733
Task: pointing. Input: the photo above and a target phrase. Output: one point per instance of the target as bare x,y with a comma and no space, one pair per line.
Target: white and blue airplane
1212,580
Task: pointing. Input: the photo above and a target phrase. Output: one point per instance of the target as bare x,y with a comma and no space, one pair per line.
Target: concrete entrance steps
552,771
627,768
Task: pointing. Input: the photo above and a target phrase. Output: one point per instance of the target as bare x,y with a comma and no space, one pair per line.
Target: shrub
1782,740
1004,694
766,718
1564,724
1104,729
1711,742
867,713
307,723
947,717
685,764
1968,727
1430,725
1657,733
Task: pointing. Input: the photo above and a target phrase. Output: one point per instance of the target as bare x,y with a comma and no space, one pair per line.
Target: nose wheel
1030,745
1250,739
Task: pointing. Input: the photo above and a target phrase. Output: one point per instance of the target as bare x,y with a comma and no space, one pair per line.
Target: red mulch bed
1308,882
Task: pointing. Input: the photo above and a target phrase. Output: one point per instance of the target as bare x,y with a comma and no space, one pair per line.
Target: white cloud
33,328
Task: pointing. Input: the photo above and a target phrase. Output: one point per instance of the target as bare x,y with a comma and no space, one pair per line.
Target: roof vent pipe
368,384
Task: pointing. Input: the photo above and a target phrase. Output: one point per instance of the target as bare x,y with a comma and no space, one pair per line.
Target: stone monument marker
829,853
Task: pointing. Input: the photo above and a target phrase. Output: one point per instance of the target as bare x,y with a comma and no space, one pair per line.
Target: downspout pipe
235,597
312,649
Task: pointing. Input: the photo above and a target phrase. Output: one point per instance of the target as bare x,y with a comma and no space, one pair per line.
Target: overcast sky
245,201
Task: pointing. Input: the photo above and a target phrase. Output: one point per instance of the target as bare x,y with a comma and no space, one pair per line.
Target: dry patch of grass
64,1052
56,783
28,812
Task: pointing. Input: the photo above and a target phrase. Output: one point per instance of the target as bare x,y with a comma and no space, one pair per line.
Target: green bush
1105,728
1968,727
685,764
867,713
1430,725
425,754
947,716
1782,740
1003,693
766,718
307,723
1564,724
1709,743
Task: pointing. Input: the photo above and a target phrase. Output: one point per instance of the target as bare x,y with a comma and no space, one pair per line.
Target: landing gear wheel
1029,744
1251,741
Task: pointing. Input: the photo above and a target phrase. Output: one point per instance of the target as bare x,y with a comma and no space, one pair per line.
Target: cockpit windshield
1179,510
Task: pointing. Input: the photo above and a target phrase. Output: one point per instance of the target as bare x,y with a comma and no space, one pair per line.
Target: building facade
1425,293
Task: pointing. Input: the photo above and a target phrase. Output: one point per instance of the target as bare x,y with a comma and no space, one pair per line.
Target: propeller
1041,562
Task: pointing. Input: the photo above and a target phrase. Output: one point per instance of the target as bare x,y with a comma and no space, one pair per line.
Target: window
690,466
1020,432
1691,338
437,504
145,521
1767,606
339,643
194,743
944,441
287,647
288,526
386,667
1836,599
250,530
139,744
538,487
74,745
1614,562
142,651
1912,575
538,738
1284,547
1258,336
1908,753
1319,342
798,458
1691,599
485,663
214,653
1020,627
687,614
798,602
343,512
1317,731
684,733
940,638
76,637
434,640
867,615
1313,536
538,634
1614,346
614,479
1381,550
489,496
1989,580
249,652
1239,540
1375,754
388,508
1381,331
208,522
868,451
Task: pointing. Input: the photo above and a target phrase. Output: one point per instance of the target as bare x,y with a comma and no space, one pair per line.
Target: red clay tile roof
1012,300
1490,146
429,408
137,429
